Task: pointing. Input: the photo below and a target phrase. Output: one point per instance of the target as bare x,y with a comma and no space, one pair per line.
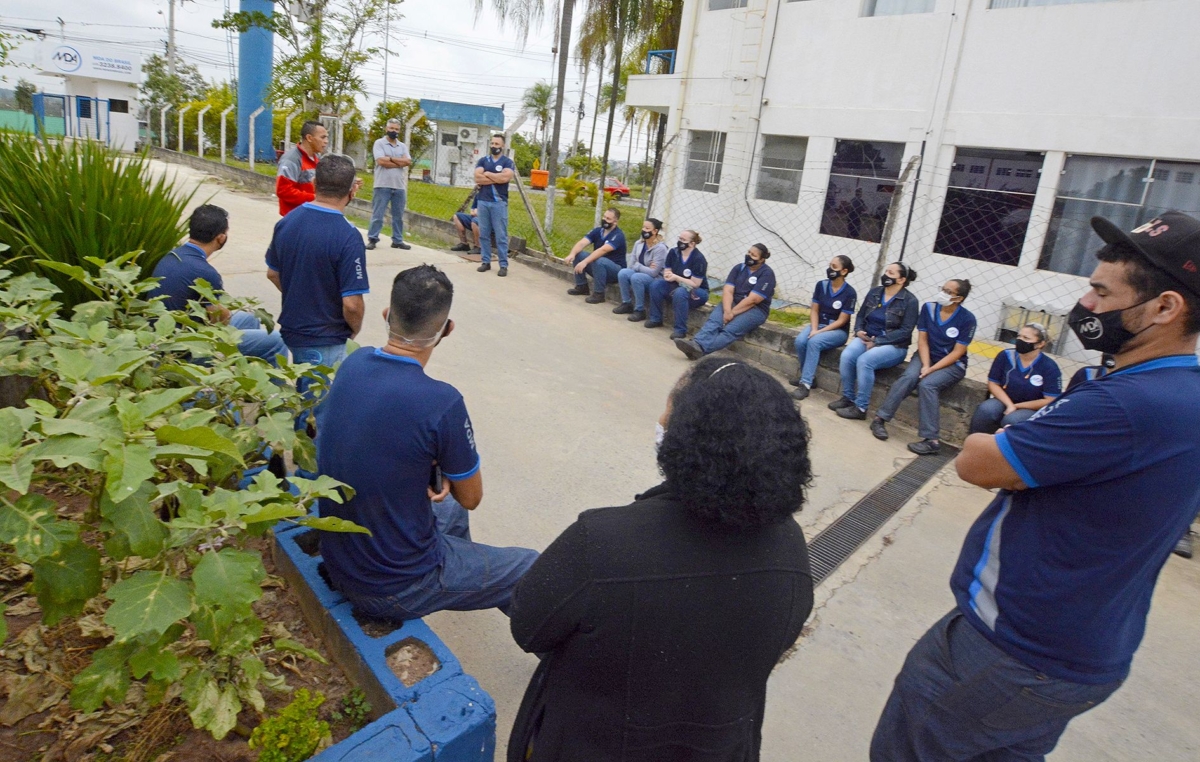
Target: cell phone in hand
435,480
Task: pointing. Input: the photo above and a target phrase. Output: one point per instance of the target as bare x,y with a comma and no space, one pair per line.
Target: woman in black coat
659,622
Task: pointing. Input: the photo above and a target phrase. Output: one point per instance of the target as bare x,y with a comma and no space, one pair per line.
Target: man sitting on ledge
390,432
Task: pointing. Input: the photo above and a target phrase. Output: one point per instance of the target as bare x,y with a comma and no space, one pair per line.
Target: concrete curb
445,716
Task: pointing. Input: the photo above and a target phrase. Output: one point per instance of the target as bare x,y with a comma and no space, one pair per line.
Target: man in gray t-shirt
391,186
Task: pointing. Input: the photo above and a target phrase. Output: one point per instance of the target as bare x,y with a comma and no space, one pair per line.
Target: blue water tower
256,48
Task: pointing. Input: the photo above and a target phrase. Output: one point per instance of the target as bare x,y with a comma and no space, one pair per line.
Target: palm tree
537,103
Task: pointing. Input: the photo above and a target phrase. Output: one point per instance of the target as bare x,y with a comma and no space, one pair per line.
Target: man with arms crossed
1054,581
386,427
391,186
493,173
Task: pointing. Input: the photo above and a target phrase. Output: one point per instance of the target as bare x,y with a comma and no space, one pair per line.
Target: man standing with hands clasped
391,186
493,174
1054,581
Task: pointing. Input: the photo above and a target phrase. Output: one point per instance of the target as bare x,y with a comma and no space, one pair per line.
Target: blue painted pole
256,48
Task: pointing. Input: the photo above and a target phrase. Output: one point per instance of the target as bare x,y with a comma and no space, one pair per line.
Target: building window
706,153
896,7
861,182
83,108
1126,191
117,106
724,5
1038,3
780,168
986,213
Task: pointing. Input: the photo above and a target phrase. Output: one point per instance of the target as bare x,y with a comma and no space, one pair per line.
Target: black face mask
682,245
1101,331
1024,347
752,262
647,235
605,225
496,150
393,134
887,280
833,274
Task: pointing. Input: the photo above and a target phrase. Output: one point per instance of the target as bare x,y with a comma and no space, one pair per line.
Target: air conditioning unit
468,135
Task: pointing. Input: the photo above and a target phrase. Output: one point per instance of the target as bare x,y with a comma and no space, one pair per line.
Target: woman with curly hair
659,622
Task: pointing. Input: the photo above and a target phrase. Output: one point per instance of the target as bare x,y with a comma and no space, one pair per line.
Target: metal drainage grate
829,549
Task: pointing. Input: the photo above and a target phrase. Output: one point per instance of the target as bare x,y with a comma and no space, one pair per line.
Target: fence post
224,114
341,136
537,226
408,128
253,115
162,129
200,131
287,129
182,111
885,237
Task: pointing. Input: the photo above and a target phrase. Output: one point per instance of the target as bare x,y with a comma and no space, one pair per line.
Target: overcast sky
438,51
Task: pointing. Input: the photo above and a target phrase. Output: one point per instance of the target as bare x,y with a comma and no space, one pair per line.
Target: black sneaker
579,291
460,247
879,429
924,447
678,335
636,316
1184,546
689,348
794,381
474,250
595,299
484,267
801,392
371,243
400,245
840,403
652,324
503,272
852,412
624,308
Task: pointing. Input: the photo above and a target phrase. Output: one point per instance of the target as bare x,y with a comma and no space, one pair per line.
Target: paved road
564,397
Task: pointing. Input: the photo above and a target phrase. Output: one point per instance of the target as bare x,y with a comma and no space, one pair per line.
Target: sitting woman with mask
711,561
645,267
1022,381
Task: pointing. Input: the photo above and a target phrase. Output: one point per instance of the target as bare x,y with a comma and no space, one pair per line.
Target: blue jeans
493,220
330,355
471,576
929,390
960,697
256,342
602,271
382,197
858,366
809,349
717,334
989,417
681,302
634,287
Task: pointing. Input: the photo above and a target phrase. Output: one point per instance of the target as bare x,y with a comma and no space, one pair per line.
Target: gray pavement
564,397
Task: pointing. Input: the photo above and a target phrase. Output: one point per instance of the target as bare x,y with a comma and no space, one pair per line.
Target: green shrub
355,710
69,201
295,733
572,188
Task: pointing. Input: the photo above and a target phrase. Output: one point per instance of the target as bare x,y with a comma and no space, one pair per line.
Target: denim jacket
902,314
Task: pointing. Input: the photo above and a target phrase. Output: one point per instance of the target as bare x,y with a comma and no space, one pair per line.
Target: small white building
461,135
804,123
100,93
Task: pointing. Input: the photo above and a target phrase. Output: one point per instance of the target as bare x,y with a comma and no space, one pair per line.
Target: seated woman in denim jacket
882,334
833,303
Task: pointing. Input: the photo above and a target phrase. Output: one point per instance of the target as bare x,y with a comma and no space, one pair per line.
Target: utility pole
579,115
171,40
387,40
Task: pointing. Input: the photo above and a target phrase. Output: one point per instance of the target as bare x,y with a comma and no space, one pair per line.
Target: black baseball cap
1170,241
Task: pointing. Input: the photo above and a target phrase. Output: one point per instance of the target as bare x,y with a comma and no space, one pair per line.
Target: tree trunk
618,46
564,45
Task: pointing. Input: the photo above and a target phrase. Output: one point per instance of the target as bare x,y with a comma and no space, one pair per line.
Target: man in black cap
1054,580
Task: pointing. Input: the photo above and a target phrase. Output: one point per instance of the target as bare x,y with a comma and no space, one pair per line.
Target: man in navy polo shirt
385,426
318,261
208,231
606,260
493,173
745,305
1055,578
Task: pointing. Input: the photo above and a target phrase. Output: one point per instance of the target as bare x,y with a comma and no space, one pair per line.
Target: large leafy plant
70,202
152,417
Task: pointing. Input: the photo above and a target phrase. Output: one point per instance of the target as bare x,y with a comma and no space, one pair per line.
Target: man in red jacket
294,183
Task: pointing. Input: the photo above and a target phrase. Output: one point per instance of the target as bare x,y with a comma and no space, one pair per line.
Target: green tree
160,88
218,97
403,109
24,94
525,152
538,102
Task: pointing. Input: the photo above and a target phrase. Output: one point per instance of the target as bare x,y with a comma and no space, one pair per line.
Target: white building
100,100
793,122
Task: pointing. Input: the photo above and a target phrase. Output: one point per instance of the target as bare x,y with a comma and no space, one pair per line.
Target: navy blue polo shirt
959,328
1042,378
831,304
1060,575
746,281
1086,374
383,424
494,164
695,266
614,238
320,258
179,269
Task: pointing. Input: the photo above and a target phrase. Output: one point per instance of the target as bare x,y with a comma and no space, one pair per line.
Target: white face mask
944,299
659,433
